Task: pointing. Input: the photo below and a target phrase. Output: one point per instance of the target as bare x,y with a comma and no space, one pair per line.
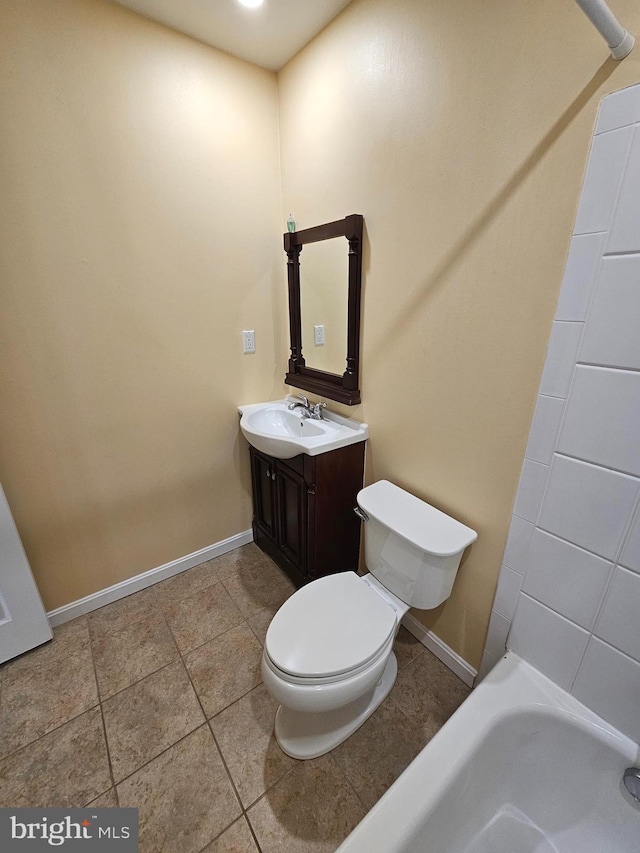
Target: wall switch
248,341
318,335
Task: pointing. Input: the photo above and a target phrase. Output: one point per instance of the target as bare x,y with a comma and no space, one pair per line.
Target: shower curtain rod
619,40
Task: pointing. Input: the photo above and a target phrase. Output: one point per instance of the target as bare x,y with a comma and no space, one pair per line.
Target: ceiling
268,36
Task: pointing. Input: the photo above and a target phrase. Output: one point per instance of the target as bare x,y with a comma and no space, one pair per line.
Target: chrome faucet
303,405
309,410
316,411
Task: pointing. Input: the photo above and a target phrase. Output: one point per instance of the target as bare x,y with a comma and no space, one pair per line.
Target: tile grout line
60,725
104,725
350,784
100,699
138,681
207,724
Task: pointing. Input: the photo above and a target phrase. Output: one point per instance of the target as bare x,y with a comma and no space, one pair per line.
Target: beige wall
460,130
139,234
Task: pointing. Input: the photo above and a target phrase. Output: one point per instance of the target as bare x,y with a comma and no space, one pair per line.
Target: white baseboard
441,650
141,581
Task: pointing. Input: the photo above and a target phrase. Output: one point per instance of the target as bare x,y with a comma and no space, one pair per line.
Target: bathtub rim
513,685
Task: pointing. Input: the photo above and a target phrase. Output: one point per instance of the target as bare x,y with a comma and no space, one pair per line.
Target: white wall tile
561,357
548,641
625,231
515,552
602,181
619,109
602,421
585,256
507,591
619,621
545,427
611,335
496,641
631,551
530,490
609,683
566,578
488,663
588,505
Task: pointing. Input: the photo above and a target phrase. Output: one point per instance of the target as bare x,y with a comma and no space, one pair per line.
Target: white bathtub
521,767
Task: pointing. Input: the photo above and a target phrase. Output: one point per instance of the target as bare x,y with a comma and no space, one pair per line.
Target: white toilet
328,657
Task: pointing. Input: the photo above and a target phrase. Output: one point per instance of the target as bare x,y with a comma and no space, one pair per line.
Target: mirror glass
324,270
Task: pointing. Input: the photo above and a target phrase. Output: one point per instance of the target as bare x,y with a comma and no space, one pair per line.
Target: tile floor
156,702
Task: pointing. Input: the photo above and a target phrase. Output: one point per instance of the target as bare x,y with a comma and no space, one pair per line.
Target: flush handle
631,781
362,515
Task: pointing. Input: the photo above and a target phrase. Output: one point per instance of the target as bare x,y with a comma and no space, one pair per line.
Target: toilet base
304,735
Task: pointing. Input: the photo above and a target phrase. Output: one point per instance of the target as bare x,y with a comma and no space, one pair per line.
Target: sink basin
277,431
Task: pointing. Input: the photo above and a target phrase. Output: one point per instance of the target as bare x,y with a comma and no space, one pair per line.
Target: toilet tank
411,547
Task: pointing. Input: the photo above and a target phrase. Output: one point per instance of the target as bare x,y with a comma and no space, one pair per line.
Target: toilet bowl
328,657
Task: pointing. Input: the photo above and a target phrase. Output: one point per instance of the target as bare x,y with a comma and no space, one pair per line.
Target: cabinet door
264,504
292,515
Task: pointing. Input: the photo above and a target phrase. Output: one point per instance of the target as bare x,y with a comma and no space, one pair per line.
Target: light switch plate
318,335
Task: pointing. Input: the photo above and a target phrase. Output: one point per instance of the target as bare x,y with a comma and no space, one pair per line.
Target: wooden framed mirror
324,308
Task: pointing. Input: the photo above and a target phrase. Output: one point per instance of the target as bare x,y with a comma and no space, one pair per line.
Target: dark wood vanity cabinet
303,514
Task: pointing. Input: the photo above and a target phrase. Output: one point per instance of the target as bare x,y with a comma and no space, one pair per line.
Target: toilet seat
329,629
310,681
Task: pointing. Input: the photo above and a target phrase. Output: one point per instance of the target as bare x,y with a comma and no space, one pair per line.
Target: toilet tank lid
418,522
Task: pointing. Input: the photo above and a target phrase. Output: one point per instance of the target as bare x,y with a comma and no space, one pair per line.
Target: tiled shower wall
568,597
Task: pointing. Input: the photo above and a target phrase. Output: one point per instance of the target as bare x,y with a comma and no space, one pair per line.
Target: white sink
278,431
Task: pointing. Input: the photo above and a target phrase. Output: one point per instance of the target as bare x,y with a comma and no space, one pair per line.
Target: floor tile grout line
180,657
46,734
104,725
101,697
243,817
253,832
131,619
350,784
228,772
70,719
60,725
92,638
111,696
272,785
206,718
215,637
9,664
178,598
162,752
204,723
210,729
237,699
209,639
